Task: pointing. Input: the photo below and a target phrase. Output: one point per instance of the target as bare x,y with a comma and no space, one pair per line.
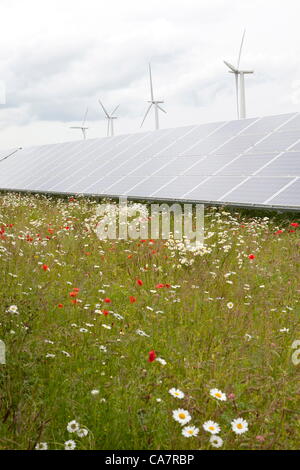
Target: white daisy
70,445
82,432
175,392
216,441
182,416
214,392
41,446
212,427
73,426
239,425
190,431
95,392
162,361
229,305
13,309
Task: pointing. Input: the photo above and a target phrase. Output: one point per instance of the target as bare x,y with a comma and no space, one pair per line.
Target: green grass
205,343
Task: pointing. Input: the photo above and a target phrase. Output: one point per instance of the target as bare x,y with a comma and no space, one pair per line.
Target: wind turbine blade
147,112
159,107
84,119
113,112
106,113
231,67
151,84
237,95
240,52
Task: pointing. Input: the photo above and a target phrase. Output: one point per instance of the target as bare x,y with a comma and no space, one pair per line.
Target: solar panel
249,162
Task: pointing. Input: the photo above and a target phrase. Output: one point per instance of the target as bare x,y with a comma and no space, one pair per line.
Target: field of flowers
143,344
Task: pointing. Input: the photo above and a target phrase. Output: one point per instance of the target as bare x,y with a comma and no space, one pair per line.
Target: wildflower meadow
144,343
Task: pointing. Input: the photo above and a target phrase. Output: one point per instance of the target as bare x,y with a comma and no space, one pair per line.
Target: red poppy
107,300
139,282
45,267
294,224
159,286
76,289
152,356
132,299
60,305
105,312
251,256
73,294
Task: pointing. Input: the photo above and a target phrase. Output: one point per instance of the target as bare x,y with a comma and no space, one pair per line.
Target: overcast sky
59,56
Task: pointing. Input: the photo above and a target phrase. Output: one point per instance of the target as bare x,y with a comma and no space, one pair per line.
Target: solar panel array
247,162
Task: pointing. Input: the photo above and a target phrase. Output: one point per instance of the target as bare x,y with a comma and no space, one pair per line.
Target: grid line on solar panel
36,156
267,124
219,138
18,168
197,134
281,190
130,173
115,185
236,158
47,164
159,135
240,125
290,197
286,164
255,190
100,160
54,167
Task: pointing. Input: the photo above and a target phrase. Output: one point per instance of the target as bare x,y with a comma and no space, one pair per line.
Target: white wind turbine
239,87
110,119
82,127
154,103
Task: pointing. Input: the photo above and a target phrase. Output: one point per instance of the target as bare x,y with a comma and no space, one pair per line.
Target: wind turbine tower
82,127
110,119
239,82
153,102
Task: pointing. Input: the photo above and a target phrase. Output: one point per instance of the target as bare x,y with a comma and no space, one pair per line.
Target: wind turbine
82,127
154,103
110,119
239,87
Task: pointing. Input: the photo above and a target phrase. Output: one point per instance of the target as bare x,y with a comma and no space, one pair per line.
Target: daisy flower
41,446
229,305
13,309
239,425
70,445
214,392
212,427
73,426
182,416
82,432
216,441
162,361
190,431
176,393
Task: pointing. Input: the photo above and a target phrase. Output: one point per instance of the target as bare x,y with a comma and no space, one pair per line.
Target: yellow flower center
218,395
239,426
181,415
212,428
190,431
